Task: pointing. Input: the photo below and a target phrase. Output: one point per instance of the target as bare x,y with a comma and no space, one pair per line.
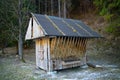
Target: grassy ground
12,69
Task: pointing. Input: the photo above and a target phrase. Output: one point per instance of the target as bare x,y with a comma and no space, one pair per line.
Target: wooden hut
60,43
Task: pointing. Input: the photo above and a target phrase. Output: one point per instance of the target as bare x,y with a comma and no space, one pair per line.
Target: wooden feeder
60,43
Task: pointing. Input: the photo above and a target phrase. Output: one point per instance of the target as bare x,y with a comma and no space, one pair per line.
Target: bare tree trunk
2,47
37,5
45,6
20,46
16,43
51,7
3,52
59,8
64,8
20,42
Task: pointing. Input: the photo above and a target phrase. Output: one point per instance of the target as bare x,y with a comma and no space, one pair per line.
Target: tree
108,7
51,7
20,41
14,18
5,37
65,9
22,13
110,10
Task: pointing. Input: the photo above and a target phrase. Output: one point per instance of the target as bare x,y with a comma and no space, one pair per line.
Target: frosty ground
13,69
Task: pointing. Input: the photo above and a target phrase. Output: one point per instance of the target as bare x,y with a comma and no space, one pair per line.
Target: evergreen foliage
9,28
110,9
9,24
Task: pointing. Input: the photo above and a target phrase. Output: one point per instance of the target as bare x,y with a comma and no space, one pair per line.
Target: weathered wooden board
42,53
67,48
34,30
52,53
62,47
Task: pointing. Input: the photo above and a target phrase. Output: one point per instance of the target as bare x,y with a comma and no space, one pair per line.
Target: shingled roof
55,26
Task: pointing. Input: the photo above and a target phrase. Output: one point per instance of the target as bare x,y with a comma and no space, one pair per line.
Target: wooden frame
60,52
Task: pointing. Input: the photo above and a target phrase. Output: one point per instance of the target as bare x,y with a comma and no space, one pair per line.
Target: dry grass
12,69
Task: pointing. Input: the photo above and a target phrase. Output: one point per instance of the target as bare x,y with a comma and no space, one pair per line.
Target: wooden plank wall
42,53
67,47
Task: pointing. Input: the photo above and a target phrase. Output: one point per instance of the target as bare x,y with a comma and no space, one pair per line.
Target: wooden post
48,55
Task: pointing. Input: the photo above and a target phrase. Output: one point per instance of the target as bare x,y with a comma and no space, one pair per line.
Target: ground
13,69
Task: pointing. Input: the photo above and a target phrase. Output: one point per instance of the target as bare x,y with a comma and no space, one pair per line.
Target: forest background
15,14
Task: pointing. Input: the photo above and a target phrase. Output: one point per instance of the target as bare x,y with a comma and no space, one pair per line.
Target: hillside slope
108,47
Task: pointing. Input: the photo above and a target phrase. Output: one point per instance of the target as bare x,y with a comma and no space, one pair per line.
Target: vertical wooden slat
66,45
55,47
75,44
60,48
63,47
49,55
68,49
72,43
53,44
85,45
79,44
76,49
73,47
82,47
